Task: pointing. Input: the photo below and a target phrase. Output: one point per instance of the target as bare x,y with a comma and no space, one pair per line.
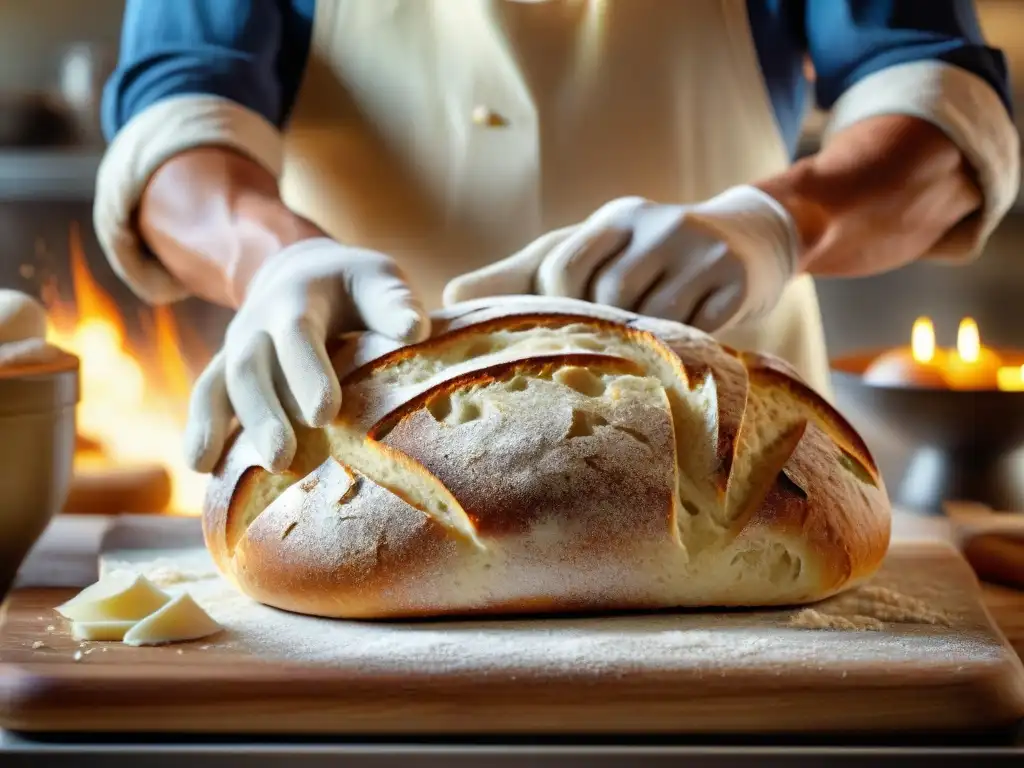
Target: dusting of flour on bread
556,462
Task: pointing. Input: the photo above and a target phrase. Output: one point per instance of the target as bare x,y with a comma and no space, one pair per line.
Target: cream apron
450,133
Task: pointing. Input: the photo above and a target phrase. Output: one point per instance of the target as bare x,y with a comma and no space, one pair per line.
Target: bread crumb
867,609
39,644
888,605
812,619
78,656
180,652
51,628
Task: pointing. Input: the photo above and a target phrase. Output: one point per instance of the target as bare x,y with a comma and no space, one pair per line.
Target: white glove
712,265
274,361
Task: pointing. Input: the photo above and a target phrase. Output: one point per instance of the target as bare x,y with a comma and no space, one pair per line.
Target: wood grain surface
961,677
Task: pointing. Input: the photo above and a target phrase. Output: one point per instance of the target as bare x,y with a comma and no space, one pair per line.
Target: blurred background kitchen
55,56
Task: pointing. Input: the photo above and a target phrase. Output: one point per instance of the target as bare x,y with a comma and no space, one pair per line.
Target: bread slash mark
402,476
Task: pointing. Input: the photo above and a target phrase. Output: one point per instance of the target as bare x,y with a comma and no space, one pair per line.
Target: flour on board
617,644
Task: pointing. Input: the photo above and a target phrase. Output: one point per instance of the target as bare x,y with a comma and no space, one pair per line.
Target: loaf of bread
541,455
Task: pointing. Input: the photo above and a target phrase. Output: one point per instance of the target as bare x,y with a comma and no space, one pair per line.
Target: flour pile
868,608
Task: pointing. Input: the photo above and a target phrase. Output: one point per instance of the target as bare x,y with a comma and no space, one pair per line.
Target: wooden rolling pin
99,487
992,542
112,490
997,558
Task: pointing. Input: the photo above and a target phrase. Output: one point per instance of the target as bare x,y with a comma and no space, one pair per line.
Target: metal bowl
37,450
966,445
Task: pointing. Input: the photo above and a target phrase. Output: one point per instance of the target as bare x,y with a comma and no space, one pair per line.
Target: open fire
134,401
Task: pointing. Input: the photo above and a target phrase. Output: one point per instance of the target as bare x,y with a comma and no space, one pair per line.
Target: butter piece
180,620
103,631
117,597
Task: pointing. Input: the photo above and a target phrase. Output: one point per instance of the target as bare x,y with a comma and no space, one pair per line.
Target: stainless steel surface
968,445
15,753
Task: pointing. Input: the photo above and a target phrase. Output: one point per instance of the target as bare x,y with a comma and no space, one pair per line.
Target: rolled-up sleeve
927,59
190,73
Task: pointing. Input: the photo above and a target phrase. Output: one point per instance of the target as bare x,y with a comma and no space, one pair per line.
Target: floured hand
713,265
274,363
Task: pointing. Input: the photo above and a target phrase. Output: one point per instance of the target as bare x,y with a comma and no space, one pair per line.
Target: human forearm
213,216
879,196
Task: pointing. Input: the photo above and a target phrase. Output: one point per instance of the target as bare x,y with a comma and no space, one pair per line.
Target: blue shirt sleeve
252,52
850,39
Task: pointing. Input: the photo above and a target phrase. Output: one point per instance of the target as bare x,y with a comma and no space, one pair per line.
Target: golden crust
337,544
839,429
570,494
848,540
574,464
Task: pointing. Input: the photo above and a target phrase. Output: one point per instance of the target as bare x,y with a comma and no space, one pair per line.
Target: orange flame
968,341
922,340
135,412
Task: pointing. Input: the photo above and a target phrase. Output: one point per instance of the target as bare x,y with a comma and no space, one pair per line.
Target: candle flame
1010,378
968,341
922,340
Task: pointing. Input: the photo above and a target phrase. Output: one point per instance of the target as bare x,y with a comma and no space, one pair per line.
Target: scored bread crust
543,455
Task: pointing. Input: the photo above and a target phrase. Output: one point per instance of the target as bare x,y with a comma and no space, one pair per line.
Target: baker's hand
711,265
274,361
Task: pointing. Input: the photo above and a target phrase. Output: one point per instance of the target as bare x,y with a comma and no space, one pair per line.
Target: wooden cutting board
686,673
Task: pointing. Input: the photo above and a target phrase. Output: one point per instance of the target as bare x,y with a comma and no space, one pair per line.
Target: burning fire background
134,395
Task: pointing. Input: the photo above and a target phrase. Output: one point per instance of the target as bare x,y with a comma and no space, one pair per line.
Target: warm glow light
135,410
968,341
922,340
1011,379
